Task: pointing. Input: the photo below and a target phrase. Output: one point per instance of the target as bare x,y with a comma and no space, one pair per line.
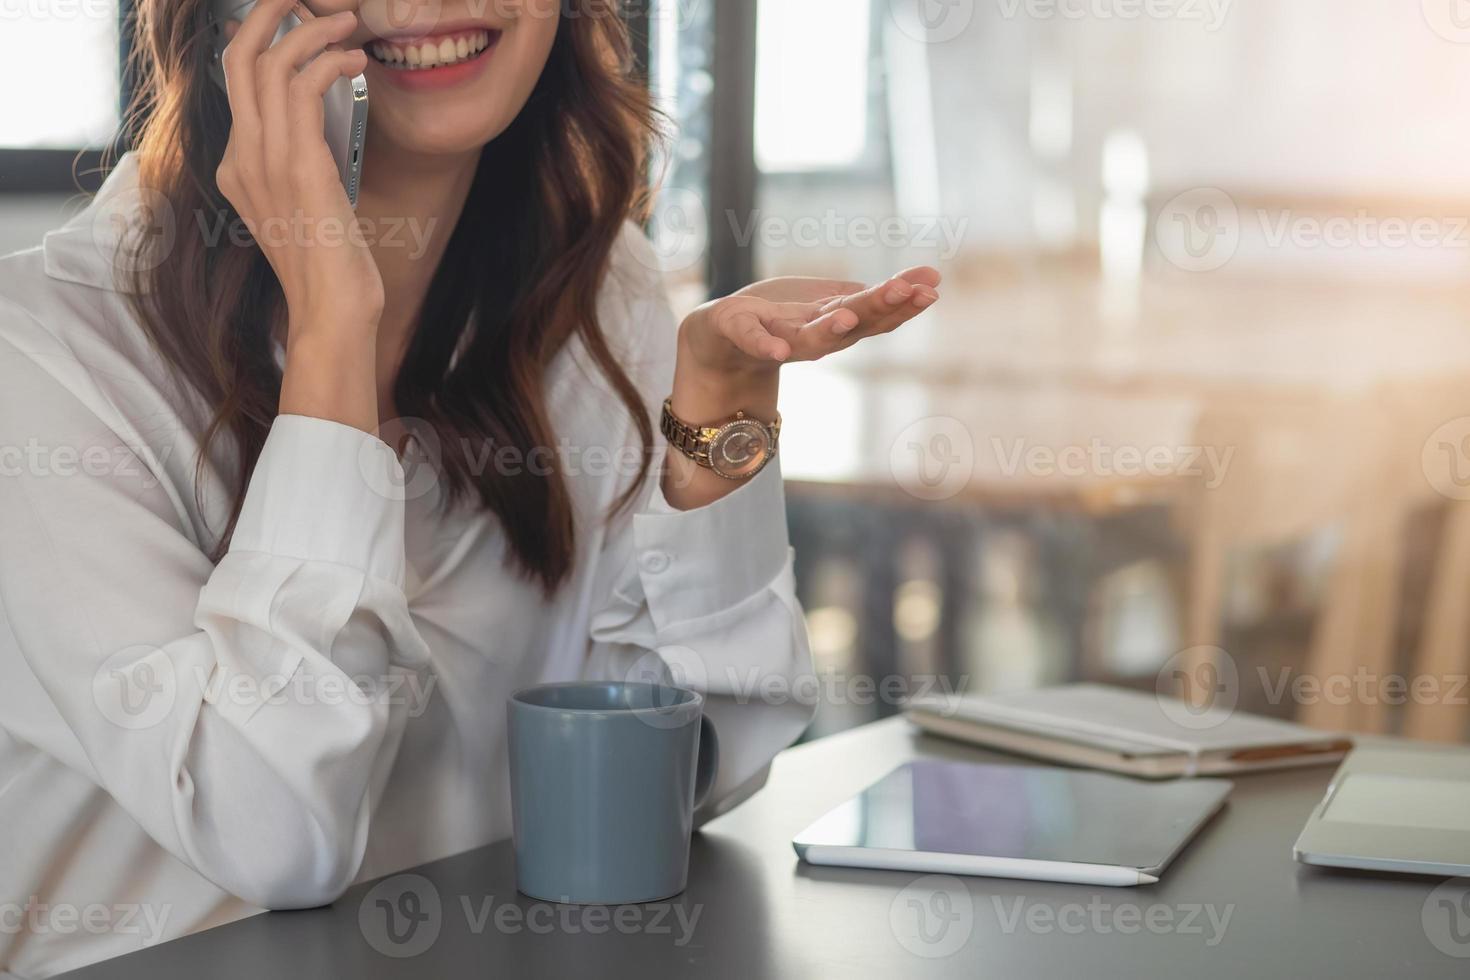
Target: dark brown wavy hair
509,294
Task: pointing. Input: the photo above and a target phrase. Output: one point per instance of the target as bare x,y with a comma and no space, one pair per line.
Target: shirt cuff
696,563
323,491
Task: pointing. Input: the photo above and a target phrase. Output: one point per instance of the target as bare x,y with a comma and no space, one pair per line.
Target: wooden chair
1432,421
1297,466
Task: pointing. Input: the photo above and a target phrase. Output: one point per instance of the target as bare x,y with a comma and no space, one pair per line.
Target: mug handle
709,762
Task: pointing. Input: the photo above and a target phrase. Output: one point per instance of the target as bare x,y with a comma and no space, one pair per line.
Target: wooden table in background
1326,395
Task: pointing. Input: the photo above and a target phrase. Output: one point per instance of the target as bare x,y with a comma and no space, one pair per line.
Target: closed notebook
1126,731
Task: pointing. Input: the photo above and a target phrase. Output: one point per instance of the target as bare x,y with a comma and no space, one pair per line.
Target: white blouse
184,743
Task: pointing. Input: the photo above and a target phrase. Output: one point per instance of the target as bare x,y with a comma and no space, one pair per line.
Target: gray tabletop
1234,904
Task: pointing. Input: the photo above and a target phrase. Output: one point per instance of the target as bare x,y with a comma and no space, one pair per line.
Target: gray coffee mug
605,778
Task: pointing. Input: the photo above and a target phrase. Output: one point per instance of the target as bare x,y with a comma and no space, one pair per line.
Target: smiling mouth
440,51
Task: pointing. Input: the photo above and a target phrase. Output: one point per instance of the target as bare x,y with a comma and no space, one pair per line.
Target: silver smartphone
346,102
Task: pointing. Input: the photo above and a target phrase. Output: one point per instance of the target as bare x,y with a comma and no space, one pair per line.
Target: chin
443,133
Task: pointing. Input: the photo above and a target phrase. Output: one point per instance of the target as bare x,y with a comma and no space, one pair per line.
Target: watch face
740,449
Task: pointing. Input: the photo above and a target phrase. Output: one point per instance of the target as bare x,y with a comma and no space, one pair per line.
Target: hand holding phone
345,103
279,172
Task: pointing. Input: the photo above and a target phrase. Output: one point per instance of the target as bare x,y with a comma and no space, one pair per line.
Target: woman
249,655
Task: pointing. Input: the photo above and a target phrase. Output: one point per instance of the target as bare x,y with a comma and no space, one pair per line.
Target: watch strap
694,441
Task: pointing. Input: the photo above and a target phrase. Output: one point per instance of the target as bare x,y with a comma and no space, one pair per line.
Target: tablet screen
1027,812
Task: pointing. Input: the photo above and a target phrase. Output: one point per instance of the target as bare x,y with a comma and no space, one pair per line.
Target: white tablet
1014,821
1394,810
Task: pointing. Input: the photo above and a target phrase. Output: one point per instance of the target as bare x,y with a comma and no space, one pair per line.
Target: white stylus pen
969,864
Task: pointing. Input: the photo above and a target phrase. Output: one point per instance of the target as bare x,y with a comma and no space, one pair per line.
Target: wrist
702,396
331,376
701,469
355,324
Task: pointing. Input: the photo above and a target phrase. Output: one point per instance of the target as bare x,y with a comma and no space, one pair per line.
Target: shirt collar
89,250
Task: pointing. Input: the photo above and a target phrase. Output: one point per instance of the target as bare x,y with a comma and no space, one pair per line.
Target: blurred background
1194,413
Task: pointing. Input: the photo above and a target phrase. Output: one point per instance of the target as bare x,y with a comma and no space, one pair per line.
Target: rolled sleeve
263,791
695,563
326,492
711,594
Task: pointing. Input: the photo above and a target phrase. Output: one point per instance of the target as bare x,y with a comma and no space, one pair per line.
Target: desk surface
752,911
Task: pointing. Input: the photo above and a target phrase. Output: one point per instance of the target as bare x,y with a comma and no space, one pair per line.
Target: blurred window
826,147
812,96
59,72
681,75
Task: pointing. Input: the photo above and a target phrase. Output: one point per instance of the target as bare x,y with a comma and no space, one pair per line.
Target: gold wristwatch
737,448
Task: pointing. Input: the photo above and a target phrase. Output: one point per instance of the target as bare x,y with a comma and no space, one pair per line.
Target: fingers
780,331
744,326
795,322
876,310
275,72
306,90
770,327
840,287
261,24
919,300
922,275
248,42
837,322
886,300
799,289
275,92
304,43
243,166
306,113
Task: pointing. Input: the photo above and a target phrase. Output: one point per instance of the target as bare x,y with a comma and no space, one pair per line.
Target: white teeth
448,51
